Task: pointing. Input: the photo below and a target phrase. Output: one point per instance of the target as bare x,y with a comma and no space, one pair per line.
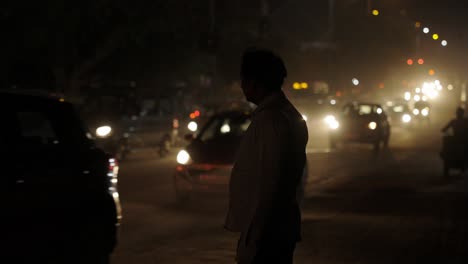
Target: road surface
393,207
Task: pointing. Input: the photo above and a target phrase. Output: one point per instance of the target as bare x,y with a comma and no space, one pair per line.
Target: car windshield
41,124
225,126
421,105
399,108
362,110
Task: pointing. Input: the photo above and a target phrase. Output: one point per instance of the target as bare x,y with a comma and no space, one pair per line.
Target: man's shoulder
272,115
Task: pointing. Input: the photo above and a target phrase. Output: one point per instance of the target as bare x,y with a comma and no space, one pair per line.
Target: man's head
262,73
460,112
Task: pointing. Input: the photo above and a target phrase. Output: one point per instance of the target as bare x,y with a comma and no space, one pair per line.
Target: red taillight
175,123
113,170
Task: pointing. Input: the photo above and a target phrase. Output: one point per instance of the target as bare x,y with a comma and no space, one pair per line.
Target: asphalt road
393,207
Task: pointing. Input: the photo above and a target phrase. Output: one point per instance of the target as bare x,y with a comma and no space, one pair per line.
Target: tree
74,38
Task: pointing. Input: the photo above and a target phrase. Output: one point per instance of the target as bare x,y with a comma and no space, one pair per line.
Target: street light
375,12
435,36
426,30
444,43
420,61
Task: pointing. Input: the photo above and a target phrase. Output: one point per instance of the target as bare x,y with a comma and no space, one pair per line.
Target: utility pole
369,7
212,16
331,18
213,36
264,14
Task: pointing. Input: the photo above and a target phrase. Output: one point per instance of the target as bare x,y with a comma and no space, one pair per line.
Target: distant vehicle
453,154
455,144
400,114
422,111
110,134
359,123
105,119
61,191
204,166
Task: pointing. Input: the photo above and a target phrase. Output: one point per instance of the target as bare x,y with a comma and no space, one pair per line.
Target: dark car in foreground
60,201
359,123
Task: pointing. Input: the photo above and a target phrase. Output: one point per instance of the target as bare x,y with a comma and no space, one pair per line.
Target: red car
204,166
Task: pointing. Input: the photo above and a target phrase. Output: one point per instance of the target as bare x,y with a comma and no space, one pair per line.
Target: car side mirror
189,137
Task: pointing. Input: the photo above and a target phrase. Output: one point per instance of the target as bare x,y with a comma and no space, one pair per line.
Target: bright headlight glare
425,112
406,118
192,126
334,125
331,122
329,119
372,125
103,131
183,157
415,111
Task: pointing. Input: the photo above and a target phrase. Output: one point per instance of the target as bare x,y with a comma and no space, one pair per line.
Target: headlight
304,117
331,122
334,125
406,118
415,111
183,157
425,112
372,125
103,131
329,119
192,126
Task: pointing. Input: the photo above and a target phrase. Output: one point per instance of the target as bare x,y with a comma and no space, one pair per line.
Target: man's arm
448,126
273,137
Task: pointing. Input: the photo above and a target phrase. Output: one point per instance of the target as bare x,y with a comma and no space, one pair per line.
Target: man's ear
258,86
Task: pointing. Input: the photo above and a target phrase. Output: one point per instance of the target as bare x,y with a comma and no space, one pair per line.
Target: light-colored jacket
268,168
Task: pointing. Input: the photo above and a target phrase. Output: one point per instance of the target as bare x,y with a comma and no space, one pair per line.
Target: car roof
365,103
29,96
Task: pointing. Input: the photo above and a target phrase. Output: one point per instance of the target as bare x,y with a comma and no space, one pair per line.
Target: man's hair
263,66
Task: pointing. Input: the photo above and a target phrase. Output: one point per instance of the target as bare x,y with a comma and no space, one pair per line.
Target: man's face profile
248,89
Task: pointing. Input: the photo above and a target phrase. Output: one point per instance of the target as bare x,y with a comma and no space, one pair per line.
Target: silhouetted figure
458,125
455,147
268,167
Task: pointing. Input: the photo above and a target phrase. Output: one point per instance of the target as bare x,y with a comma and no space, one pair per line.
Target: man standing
269,166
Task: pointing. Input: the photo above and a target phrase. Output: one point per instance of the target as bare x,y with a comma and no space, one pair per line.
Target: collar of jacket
269,100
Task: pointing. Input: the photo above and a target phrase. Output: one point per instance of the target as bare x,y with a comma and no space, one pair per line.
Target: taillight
112,173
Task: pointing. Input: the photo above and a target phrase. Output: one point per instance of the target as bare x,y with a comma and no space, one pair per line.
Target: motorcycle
454,154
111,135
